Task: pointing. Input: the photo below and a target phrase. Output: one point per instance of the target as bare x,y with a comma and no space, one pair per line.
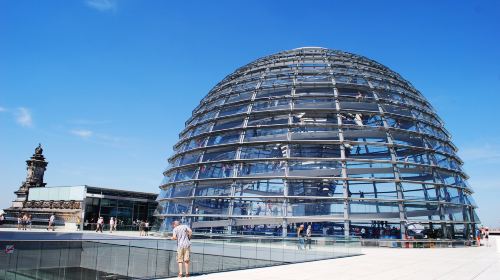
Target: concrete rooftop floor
384,263
482,263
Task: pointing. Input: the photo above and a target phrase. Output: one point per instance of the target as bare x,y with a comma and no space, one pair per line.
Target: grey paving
380,263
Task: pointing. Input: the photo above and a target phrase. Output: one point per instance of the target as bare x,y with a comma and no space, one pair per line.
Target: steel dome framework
320,136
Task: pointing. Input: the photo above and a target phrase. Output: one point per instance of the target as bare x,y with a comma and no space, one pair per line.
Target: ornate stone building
66,210
69,203
36,167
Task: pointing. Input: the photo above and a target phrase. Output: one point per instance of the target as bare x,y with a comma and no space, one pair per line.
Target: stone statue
35,166
31,174
39,150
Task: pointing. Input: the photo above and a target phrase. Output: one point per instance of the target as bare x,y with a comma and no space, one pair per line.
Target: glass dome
318,136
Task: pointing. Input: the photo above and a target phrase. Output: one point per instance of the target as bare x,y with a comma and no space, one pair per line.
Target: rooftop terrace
479,263
373,263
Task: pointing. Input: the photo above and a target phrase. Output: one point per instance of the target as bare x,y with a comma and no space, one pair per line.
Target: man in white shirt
52,221
111,224
182,234
100,224
309,235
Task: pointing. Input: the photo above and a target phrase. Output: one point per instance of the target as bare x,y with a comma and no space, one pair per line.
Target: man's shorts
183,254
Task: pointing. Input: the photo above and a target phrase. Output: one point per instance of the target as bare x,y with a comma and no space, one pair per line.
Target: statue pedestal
35,166
17,204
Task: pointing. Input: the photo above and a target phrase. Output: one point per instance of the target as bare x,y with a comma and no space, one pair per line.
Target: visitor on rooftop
100,224
52,221
78,223
478,236
142,224
182,234
301,235
111,224
487,236
24,221
29,221
359,97
146,228
309,235
19,221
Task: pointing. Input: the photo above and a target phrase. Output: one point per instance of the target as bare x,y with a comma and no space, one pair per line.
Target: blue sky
107,85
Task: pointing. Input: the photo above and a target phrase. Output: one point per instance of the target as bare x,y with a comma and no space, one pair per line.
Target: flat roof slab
384,263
